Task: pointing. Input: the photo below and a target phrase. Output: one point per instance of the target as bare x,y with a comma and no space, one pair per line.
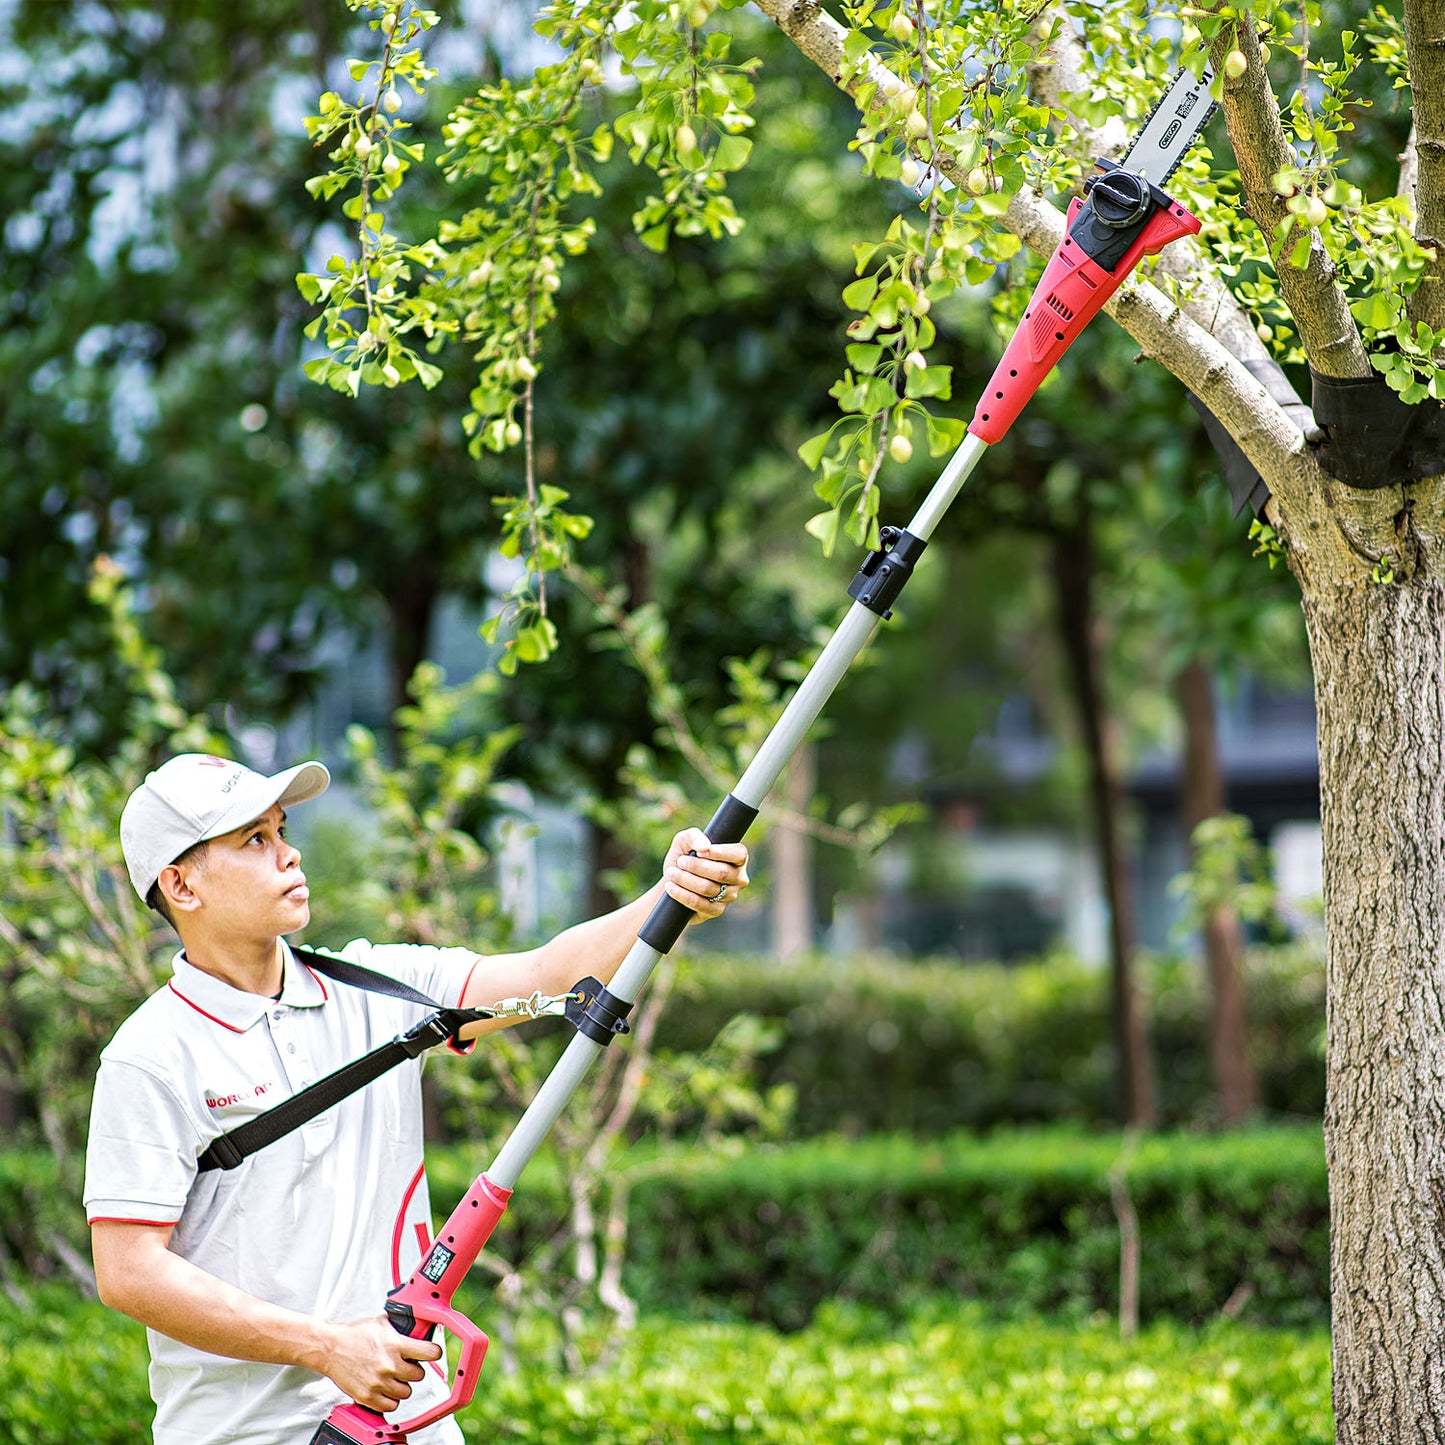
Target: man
260,1286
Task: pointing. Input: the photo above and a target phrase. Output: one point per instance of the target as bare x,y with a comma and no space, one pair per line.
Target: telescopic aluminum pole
424,1301
743,804
1126,218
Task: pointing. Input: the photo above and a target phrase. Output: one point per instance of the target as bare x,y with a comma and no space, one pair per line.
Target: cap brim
293,785
302,783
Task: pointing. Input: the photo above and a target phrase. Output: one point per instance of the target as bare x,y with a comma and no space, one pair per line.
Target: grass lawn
948,1373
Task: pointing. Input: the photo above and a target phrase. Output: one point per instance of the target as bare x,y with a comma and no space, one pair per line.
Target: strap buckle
427,1034
221,1153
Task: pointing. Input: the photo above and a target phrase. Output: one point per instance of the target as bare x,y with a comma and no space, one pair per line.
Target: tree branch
1167,331
1315,299
1062,68
1316,519
1425,47
1063,71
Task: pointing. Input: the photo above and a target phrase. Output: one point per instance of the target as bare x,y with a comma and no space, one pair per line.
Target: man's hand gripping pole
1122,219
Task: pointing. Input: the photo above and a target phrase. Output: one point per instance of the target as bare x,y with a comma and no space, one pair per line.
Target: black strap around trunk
227,1150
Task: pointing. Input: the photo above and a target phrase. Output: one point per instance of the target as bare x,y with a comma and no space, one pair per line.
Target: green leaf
811,451
428,373
832,480
731,153
859,294
876,394
824,526
944,434
1374,311
864,358
931,381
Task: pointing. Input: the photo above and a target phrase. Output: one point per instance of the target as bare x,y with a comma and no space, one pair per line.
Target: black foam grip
667,920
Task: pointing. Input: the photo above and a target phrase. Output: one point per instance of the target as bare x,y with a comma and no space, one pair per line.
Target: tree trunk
1201,796
1379,661
411,605
792,863
1073,582
608,855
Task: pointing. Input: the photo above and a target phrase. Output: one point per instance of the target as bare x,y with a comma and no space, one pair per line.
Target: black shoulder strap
227,1150
344,971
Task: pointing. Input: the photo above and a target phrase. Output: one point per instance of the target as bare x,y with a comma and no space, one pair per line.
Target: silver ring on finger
718,894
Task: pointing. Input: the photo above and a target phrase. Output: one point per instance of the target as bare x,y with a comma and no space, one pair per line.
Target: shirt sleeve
140,1158
440,973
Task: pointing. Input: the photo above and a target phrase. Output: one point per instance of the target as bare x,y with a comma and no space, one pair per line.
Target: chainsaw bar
1178,117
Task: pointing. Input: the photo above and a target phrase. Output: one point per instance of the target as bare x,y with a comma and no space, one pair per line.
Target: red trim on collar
172,986
325,997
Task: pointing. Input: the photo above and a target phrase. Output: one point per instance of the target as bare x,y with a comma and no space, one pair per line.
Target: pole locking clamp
883,574
600,1015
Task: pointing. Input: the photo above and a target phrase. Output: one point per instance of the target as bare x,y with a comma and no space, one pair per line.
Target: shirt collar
235,1009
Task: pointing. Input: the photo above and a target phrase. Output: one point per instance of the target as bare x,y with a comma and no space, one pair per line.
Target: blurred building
988,890
965,882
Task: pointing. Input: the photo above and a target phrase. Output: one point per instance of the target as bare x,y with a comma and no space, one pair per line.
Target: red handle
368,1427
423,1303
1069,295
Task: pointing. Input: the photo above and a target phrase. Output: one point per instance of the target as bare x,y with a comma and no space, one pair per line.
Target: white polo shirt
324,1221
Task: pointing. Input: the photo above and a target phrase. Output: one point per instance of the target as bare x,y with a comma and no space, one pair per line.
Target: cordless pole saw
1123,216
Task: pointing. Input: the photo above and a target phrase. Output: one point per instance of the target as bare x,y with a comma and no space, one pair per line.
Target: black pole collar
600,1015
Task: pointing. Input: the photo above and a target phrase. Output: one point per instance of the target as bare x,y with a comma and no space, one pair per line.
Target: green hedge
76,1372
873,1046
1021,1221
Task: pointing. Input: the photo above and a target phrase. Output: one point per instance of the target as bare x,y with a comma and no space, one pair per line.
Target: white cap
194,797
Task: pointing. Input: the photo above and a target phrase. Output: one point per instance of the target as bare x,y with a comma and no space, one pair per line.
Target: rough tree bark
1379,657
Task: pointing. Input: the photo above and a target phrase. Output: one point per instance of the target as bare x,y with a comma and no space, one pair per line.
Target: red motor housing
1069,295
